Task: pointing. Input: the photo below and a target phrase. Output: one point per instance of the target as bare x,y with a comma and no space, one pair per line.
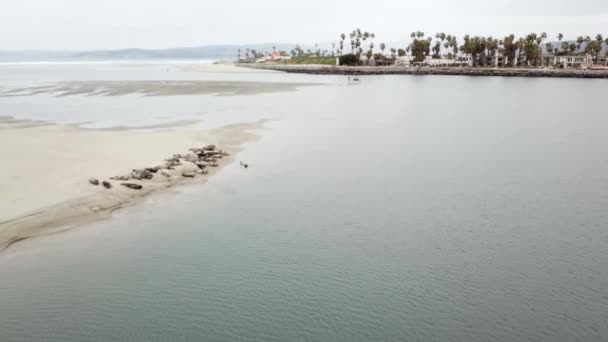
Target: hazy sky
100,24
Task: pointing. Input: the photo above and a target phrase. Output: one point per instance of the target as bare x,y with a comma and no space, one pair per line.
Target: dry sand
44,184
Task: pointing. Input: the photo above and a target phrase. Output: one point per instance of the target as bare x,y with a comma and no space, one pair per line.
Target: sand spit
154,88
49,188
222,68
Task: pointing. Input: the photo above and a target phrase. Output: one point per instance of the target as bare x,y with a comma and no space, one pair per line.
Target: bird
244,165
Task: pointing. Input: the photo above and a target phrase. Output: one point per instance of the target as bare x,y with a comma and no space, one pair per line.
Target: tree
510,48
580,40
595,47
532,47
454,45
400,52
560,37
420,47
492,46
440,36
437,50
382,47
473,46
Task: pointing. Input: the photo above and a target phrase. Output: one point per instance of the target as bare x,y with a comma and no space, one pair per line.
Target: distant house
570,61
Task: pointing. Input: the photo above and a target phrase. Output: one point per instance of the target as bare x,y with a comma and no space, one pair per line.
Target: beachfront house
569,61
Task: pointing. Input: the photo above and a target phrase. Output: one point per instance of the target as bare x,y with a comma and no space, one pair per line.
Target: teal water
402,209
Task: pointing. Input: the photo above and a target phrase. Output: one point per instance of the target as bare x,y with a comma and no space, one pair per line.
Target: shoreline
446,71
40,202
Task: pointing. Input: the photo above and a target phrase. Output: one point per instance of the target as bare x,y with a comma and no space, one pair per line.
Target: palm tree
382,47
520,49
549,47
599,39
580,40
440,36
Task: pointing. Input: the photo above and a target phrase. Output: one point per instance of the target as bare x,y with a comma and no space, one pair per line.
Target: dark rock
94,181
107,185
189,174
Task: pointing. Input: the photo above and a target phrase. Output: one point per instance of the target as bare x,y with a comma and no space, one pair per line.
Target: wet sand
154,88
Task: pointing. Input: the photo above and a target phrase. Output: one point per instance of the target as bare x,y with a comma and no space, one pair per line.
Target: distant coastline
454,71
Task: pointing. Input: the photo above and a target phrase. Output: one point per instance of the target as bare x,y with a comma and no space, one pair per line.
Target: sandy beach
46,188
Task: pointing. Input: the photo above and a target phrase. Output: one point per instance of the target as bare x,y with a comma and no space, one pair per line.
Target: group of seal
199,159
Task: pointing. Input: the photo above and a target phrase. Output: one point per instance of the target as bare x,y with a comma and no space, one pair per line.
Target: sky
113,24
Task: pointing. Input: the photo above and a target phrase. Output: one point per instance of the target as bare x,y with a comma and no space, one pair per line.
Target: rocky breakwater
454,71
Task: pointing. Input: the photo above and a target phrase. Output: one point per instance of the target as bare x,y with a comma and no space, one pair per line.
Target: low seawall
392,70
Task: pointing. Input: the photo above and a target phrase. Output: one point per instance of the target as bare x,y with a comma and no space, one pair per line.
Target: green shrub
349,59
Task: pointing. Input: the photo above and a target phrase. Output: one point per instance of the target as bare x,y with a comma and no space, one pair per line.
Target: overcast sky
102,24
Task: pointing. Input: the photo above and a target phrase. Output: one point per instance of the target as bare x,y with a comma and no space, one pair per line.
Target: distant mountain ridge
196,52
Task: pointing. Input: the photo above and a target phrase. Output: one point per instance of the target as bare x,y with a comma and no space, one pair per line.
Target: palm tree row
527,50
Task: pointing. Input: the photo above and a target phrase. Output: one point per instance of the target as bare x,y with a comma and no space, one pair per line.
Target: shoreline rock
448,71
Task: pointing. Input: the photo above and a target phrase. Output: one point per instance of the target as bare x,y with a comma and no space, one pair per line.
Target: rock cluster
185,165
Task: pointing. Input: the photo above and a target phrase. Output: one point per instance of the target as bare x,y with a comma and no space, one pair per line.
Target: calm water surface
403,209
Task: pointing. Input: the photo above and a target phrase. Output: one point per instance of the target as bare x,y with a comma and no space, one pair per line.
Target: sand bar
44,184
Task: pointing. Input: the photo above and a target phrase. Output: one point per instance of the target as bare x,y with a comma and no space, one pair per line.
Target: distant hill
197,52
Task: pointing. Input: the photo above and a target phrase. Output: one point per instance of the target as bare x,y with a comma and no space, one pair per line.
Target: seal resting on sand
132,186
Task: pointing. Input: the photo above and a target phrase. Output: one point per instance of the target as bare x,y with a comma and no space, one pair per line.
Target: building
570,61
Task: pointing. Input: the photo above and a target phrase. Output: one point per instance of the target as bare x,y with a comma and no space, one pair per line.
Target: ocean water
405,208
